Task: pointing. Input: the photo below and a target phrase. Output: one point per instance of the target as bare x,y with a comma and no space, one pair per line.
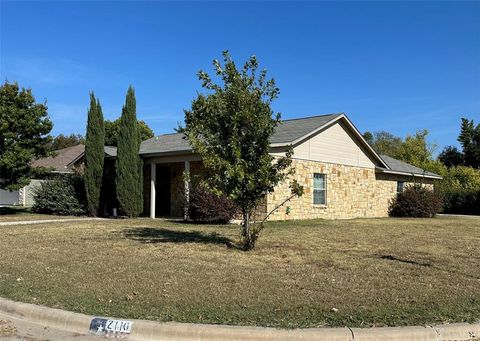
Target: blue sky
395,66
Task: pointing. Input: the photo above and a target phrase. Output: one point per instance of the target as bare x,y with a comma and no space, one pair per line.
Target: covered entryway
163,190
167,185
167,189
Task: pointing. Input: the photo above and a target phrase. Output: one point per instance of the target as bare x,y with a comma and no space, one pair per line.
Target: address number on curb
105,327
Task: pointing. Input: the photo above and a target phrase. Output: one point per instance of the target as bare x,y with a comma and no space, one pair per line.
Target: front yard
302,274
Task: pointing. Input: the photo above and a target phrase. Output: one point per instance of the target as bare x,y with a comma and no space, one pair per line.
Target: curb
149,330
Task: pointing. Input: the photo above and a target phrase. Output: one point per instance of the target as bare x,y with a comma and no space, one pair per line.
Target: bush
415,201
207,207
460,190
461,201
61,196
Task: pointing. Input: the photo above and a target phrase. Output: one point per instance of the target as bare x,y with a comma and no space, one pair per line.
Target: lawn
361,272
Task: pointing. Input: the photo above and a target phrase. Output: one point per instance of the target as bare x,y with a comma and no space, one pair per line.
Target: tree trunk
246,223
249,235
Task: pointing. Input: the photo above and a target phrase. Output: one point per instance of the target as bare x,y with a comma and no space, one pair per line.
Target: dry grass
374,271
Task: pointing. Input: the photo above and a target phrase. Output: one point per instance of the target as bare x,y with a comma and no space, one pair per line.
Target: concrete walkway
64,325
44,221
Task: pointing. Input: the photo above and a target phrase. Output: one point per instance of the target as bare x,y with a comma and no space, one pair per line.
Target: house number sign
110,328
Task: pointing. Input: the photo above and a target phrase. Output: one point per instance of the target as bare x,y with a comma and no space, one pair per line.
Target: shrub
461,201
415,201
61,196
207,207
460,189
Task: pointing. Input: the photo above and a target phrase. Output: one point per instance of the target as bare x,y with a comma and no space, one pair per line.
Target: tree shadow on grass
149,235
427,264
192,222
403,260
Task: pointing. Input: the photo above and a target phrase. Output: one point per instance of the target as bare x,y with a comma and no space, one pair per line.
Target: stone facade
351,192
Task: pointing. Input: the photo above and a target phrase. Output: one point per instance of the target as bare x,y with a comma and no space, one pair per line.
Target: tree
384,142
129,166
416,150
64,141
94,155
451,156
112,128
24,135
368,136
469,138
230,128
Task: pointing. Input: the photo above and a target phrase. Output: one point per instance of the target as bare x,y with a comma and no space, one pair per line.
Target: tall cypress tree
129,165
94,155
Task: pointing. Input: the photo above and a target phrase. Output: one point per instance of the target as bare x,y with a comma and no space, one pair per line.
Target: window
319,189
400,185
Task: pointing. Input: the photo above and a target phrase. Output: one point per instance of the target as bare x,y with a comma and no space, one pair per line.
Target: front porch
167,184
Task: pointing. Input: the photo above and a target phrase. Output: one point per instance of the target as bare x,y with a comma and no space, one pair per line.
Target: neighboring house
343,177
70,159
64,161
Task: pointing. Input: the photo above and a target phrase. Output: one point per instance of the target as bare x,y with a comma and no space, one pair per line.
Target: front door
162,201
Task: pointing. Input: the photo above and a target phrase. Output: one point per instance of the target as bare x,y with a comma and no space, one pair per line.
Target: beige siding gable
335,144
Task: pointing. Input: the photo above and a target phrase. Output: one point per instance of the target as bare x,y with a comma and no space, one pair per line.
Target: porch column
187,188
153,184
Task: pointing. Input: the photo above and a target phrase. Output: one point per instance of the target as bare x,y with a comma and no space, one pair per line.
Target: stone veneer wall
352,192
386,188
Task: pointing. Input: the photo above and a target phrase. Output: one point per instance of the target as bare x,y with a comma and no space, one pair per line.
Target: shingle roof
167,143
65,157
287,132
403,167
62,159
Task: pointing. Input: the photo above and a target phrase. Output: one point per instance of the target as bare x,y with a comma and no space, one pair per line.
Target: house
64,161
342,175
70,159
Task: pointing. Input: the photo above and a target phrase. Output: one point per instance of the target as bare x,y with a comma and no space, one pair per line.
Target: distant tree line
460,168
112,129
64,141
469,139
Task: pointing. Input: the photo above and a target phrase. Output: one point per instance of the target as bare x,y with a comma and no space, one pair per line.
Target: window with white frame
400,186
319,189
